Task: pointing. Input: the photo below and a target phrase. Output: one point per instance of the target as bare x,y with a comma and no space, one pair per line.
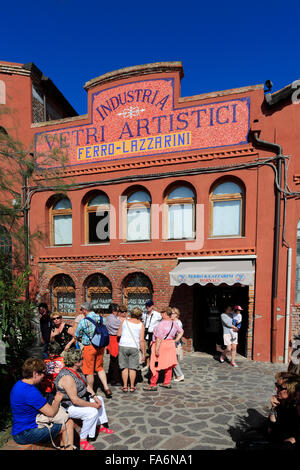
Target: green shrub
15,331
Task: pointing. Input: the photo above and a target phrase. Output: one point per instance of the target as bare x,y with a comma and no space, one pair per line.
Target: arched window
97,219
61,222
98,291
226,210
137,289
62,290
3,131
297,300
5,241
138,216
181,213
2,92
5,251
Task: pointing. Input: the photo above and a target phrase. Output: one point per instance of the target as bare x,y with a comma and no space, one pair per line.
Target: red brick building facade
174,199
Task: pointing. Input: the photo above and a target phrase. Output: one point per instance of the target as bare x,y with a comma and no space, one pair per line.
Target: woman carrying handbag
163,351
131,342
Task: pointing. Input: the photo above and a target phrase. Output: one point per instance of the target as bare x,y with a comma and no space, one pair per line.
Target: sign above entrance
141,119
213,272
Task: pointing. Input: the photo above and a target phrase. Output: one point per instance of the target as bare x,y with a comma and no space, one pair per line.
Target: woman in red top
163,350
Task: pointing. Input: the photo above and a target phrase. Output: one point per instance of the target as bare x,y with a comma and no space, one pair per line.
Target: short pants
92,359
128,358
228,340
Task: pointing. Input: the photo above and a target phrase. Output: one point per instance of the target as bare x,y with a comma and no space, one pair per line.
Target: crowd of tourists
58,391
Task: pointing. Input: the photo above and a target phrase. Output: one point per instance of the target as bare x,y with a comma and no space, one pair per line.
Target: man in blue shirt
92,357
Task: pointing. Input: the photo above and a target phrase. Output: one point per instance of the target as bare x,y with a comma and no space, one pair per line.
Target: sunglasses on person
56,318
280,387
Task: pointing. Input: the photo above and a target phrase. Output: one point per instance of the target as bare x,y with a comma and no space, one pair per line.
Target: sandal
165,385
85,445
108,393
148,388
124,389
132,389
106,430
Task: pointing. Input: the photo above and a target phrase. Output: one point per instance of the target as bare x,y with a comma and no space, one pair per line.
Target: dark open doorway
209,303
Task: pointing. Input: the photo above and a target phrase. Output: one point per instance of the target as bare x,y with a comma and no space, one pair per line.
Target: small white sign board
2,353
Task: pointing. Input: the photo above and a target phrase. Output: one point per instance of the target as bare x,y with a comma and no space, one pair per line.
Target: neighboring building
173,199
26,96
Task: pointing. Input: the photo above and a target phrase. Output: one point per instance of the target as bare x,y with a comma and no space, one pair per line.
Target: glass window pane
66,302
99,200
137,300
180,221
99,280
139,196
98,227
298,239
227,188
138,224
297,297
63,204
181,192
62,228
139,280
226,218
5,241
101,300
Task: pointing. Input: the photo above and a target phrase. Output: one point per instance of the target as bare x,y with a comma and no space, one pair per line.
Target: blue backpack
100,338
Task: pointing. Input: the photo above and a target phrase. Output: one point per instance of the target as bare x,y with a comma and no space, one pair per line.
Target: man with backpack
94,337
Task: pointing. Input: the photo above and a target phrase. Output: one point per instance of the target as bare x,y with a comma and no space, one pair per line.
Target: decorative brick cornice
145,256
13,69
162,161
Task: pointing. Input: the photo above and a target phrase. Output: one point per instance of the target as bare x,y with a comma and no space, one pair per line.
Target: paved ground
209,410
206,411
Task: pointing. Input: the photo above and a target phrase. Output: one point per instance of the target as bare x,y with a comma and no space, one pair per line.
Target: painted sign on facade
140,119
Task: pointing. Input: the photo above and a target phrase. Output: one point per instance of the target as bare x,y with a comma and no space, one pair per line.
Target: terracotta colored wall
156,258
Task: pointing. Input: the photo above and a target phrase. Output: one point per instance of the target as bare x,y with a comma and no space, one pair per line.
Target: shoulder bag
140,352
61,417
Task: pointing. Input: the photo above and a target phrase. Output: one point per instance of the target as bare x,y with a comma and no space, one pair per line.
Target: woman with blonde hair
163,351
131,333
62,333
80,400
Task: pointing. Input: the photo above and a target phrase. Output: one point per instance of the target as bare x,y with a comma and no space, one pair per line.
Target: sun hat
238,307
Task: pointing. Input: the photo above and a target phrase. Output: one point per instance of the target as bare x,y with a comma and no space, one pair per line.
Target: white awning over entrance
213,272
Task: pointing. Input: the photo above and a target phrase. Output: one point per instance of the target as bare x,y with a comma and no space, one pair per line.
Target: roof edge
280,95
136,70
214,94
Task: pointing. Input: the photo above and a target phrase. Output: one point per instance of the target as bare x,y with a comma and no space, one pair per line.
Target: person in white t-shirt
131,333
150,319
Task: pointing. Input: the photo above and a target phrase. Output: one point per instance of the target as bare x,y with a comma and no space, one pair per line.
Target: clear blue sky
221,44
